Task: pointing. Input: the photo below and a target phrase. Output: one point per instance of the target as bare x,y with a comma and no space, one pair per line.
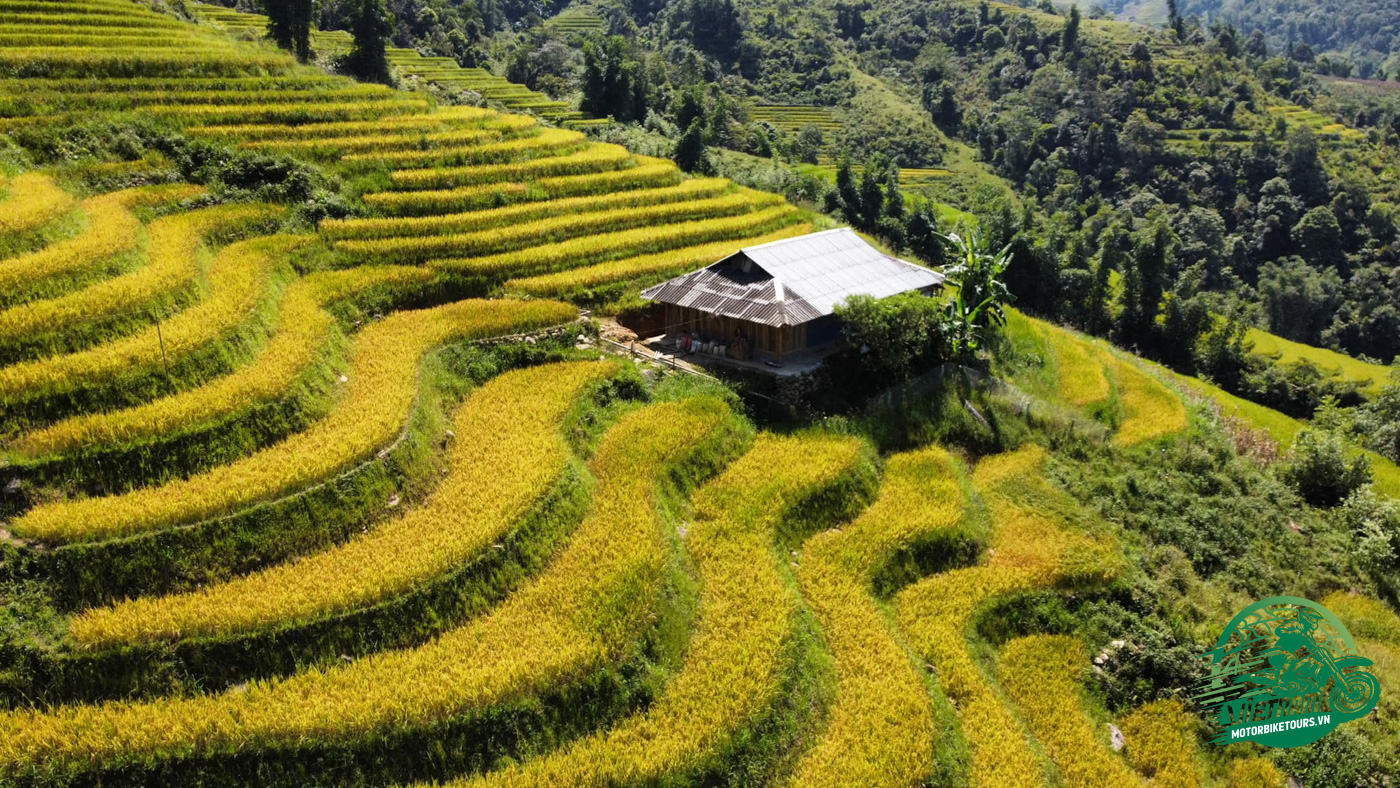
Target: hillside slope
310,480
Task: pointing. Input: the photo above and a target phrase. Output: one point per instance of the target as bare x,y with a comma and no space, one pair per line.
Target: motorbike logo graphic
1284,673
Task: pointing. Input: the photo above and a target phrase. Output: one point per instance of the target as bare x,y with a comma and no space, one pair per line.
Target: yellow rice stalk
89,20
880,730
172,265
593,158
379,142
554,228
32,200
112,229
734,663
1079,368
444,119
60,85
1150,408
649,172
582,614
303,332
509,452
152,99
1043,674
643,267
105,61
594,249
1162,745
111,37
238,282
343,229
548,142
266,113
467,198
1029,550
370,414
1255,773
1365,617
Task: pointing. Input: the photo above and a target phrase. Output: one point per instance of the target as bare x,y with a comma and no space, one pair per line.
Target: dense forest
1359,33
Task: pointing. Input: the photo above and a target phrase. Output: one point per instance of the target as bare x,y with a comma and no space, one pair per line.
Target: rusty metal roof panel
795,280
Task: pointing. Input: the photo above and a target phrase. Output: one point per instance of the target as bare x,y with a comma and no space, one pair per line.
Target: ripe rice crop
548,142
31,201
172,102
1162,744
464,199
581,615
733,665
1043,673
642,267
89,20
593,158
239,280
1029,550
1079,368
73,85
112,229
594,249
440,120
553,229
372,410
509,452
337,146
184,96
880,731
116,62
267,113
344,229
302,333
173,264
648,173
1150,408
1365,617
112,37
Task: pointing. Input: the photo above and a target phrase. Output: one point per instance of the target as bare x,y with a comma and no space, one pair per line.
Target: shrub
1323,470
893,339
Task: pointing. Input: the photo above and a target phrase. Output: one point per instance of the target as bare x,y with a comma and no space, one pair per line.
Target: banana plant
977,307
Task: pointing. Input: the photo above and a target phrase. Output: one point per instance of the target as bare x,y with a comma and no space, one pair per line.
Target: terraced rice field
791,119
345,503
576,20
1370,378
442,71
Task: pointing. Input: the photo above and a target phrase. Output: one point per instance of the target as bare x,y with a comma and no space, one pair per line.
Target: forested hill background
1178,188
1358,35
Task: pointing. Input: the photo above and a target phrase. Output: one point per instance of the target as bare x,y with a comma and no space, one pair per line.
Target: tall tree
1174,19
1069,40
289,25
371,25
690,153
613,82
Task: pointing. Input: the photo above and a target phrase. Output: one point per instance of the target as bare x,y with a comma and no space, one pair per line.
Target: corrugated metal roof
794,280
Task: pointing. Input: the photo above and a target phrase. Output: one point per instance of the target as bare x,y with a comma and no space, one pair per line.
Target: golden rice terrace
303,490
